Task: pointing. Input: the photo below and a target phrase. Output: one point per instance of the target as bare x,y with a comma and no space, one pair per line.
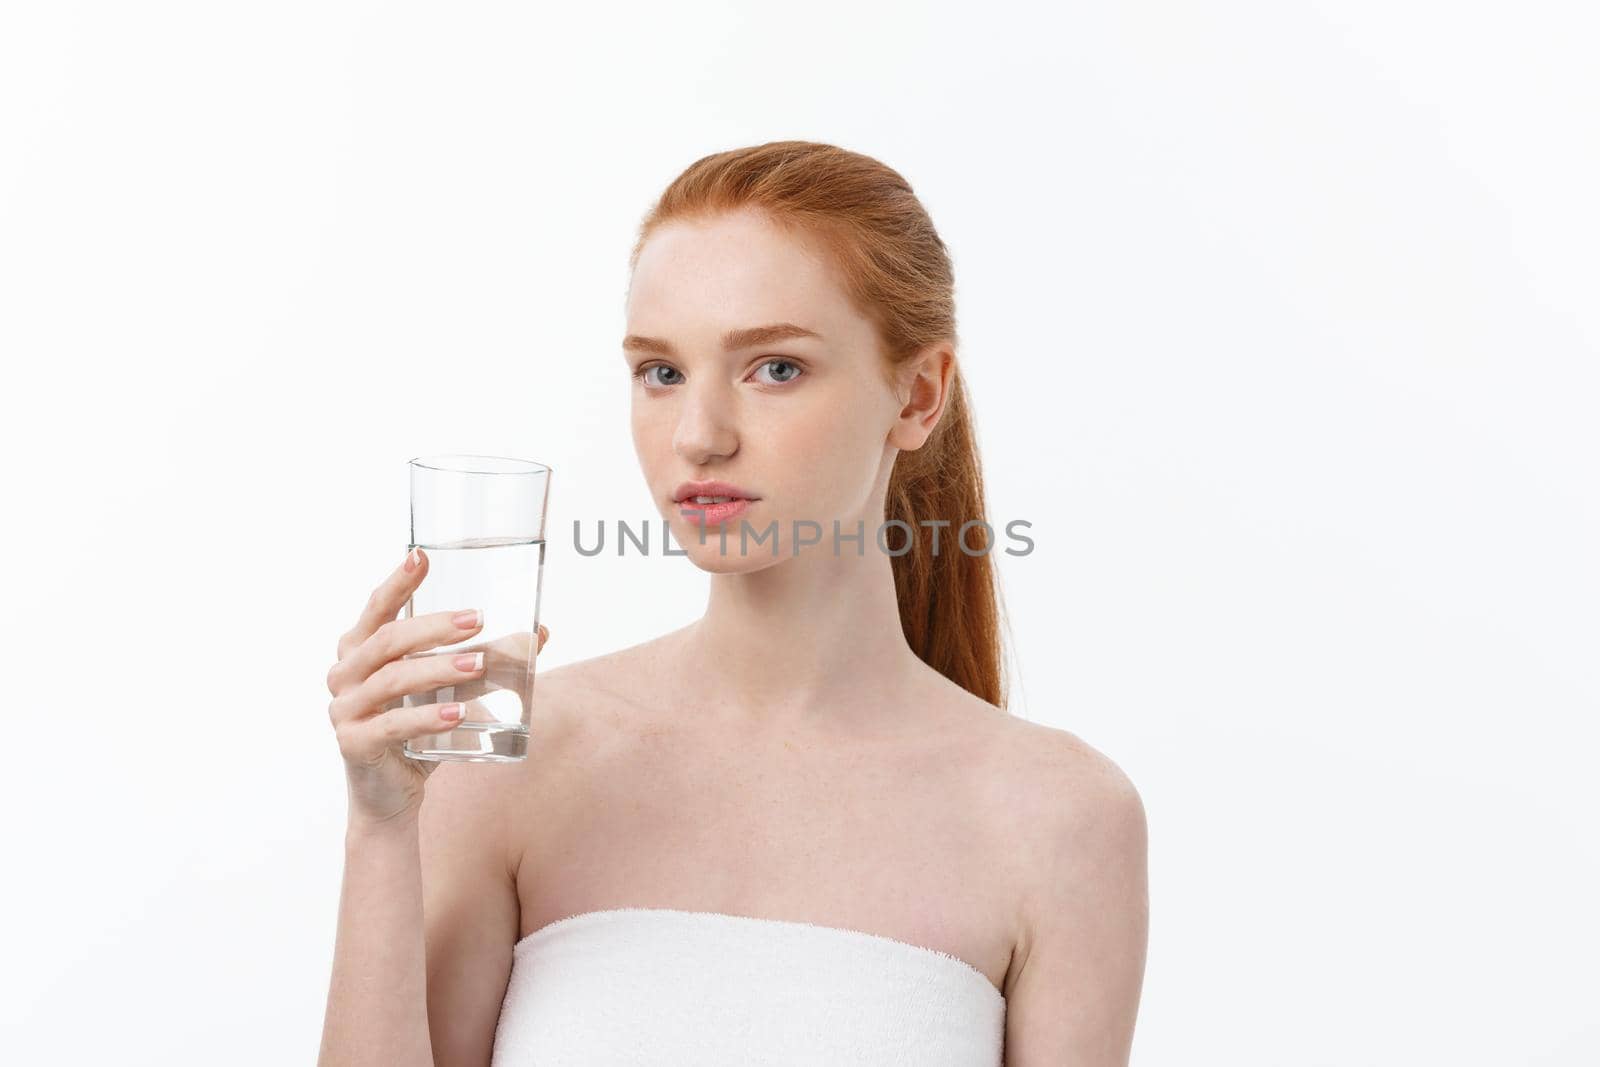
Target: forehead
734,270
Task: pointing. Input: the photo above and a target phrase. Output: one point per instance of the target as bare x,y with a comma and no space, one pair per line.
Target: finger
509,666
386,687
398,638
365,740
386,600
470,685
510,656
477,711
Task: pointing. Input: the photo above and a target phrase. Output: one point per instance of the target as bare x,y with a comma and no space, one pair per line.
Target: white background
1281,328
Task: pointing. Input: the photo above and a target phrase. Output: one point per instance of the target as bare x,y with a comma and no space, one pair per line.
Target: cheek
648,431
840,451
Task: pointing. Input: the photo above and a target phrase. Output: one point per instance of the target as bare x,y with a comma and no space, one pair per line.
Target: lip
693,489
713,514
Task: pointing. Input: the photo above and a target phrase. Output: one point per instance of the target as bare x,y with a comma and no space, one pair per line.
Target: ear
924,385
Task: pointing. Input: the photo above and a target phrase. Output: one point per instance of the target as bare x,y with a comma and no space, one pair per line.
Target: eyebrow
732,341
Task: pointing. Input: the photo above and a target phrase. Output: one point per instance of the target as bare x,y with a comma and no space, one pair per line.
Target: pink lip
689,489
713,514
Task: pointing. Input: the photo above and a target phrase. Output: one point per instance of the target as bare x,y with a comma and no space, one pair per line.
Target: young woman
801,829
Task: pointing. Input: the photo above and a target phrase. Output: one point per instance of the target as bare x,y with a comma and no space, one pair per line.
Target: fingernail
465,619
450,712
469,661
414,559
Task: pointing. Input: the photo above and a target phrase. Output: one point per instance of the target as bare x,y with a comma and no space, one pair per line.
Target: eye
793,372
790,370
642,373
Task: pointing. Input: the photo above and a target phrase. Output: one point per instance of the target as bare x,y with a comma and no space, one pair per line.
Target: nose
705,424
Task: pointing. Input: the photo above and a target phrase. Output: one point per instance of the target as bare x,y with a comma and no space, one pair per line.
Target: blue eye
639,375
794,368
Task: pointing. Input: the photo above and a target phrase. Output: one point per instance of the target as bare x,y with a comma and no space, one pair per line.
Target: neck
813,639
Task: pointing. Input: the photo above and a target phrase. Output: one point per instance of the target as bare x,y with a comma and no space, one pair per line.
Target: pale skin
787,755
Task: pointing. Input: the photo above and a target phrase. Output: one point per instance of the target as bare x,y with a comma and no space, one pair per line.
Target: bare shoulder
1053,799
1075,815
1042,779
582,709
1080,832
620,675
610,682
1063,777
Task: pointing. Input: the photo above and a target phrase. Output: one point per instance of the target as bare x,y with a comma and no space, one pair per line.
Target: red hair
896,270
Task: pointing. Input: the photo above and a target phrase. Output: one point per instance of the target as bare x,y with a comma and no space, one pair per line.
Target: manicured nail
469,661
466,619
450,712
414,560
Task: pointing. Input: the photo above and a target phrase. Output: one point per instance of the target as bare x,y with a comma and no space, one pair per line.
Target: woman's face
802,423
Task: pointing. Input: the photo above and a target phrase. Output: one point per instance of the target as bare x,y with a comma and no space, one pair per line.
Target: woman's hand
373,675
506,663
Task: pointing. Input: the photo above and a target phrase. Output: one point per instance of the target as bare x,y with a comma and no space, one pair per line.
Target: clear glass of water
480,519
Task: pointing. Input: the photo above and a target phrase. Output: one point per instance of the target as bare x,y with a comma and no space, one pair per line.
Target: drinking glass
480,519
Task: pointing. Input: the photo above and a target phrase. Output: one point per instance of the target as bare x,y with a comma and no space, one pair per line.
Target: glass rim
443,462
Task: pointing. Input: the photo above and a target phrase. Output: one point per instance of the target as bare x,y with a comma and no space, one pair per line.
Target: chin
712,557
713,562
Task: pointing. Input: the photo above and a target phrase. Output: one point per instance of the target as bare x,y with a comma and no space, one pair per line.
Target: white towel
665,987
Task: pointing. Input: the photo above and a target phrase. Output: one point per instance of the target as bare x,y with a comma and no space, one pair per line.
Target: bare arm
428,916
473,913
1077,995
428,911
376,1009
